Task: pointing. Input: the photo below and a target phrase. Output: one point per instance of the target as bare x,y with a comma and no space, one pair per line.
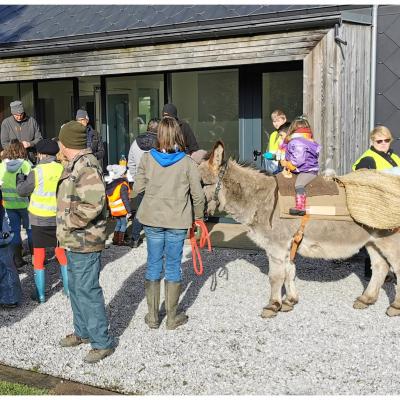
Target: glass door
131,102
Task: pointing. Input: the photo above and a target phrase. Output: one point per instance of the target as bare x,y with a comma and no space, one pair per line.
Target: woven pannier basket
373,198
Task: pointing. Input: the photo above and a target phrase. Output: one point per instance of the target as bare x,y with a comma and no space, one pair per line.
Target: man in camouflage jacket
81,230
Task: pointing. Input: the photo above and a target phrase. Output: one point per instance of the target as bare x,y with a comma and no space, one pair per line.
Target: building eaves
186,28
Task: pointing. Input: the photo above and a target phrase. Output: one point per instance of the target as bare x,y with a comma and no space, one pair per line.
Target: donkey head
209,172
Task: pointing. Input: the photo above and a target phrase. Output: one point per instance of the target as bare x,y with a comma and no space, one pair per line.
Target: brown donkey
250,198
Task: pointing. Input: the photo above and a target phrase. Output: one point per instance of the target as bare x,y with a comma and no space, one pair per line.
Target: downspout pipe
373,67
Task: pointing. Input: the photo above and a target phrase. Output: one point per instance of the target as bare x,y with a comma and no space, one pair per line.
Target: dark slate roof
39,29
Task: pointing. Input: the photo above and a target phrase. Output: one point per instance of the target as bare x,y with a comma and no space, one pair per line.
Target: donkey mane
251,194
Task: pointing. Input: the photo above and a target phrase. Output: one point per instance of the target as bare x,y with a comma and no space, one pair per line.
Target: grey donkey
250,198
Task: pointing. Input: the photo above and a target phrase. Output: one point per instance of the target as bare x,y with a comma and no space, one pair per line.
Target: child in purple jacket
301,158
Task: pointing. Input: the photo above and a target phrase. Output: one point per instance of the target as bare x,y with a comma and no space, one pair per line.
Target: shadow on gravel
125,302
53,285
336,270
11,316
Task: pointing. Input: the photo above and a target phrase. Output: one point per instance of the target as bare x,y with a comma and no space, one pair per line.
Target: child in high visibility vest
117,190
41,185
272,155
15,161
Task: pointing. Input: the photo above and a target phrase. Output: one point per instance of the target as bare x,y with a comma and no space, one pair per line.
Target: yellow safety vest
273,143
44,197
11,199
115,202
380,162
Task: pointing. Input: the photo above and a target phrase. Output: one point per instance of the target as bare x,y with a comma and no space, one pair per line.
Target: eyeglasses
380,141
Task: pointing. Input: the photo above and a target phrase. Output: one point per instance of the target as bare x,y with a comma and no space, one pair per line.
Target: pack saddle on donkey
253,199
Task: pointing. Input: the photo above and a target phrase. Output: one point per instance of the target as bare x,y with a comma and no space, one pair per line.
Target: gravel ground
323,347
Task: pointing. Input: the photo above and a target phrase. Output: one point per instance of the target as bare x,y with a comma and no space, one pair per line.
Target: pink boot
300,208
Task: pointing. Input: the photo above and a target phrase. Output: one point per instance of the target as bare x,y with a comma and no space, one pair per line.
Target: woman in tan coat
173,198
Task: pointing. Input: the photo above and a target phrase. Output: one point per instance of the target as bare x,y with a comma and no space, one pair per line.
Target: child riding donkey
301,158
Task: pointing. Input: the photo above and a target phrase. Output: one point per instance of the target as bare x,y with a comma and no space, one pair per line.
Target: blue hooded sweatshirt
167,159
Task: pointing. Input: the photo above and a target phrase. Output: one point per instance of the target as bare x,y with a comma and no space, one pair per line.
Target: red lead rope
204,237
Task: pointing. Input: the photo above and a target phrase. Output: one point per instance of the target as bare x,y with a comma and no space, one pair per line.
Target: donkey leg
292,296
380,268
391,250
276,277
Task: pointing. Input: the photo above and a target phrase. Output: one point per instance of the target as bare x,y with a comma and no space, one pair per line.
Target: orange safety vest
115,202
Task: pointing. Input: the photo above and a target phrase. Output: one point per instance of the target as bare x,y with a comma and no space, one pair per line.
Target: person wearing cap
93,138
81,230
170,110
22,127
41,185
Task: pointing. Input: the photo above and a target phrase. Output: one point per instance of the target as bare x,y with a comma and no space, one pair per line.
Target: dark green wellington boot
152,290
18,260
172,293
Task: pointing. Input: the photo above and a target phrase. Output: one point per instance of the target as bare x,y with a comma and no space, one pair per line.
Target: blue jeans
87,300
16,217
121,224
164,243
136,225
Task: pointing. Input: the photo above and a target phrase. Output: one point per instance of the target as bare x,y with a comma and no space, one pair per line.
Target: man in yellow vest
41,185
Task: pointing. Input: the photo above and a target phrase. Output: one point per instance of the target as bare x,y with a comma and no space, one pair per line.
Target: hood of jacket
167,159
147,141
13,165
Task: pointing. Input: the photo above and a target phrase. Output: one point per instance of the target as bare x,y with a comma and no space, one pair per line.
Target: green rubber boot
172,293
152,290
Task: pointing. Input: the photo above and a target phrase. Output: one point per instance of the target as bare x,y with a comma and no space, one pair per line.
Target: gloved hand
128,216
20,178
269,156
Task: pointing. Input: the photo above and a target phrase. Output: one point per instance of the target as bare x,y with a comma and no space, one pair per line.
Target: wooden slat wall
336,96
277,47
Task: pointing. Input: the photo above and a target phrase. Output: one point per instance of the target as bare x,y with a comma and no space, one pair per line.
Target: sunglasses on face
380,141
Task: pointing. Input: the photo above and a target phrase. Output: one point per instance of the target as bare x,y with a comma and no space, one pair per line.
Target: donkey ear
217,155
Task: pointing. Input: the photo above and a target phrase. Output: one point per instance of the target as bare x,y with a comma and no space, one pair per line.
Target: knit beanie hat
170,109
47,146
82,114
73,135
17,107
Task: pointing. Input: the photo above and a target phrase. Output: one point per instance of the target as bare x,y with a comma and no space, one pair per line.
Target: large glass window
89,99
55,105
8,93
26,96
209,102
282,90
131,102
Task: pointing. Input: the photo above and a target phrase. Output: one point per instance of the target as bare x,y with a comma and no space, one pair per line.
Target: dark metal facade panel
387,108
40,22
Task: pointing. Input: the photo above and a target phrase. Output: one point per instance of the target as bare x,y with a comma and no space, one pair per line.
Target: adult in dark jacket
94,140
143,144
21,127
170,110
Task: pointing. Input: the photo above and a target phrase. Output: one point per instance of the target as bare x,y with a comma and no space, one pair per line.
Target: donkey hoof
287,306
359,305
268,313
392,312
